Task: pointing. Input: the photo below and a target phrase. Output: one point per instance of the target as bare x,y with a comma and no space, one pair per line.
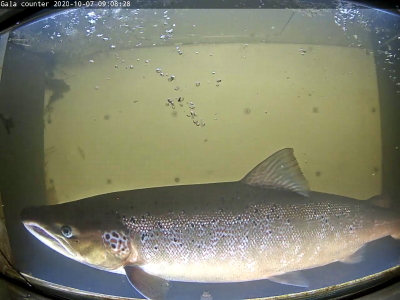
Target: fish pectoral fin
295,278
151,287
279,171
356,257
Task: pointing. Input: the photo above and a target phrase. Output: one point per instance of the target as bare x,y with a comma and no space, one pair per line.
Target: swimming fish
269,225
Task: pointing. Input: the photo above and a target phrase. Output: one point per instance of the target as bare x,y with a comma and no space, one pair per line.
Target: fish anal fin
356,257
279,171
295,278
396,235
151,287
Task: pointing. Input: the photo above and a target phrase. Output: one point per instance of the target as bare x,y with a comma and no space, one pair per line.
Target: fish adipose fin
279,171
356,257
292,278
382,201
151,287
388,201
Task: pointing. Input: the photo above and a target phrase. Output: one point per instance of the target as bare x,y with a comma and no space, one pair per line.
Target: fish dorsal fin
151,287
279,171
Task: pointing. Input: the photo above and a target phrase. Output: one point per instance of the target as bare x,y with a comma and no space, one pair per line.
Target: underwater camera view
202,153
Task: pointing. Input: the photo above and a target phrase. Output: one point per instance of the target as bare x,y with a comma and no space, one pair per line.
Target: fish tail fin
388,202
396,210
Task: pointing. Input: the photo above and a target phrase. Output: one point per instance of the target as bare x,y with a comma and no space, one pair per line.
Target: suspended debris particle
192,114
206,296
198,83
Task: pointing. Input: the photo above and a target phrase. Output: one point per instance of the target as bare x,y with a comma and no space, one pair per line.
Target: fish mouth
49,239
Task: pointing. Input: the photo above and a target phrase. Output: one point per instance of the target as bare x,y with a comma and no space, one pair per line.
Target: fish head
83,235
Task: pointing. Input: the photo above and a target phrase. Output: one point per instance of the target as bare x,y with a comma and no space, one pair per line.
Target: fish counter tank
174,150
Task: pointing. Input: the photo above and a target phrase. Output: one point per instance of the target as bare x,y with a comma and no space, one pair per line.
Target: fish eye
66,231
